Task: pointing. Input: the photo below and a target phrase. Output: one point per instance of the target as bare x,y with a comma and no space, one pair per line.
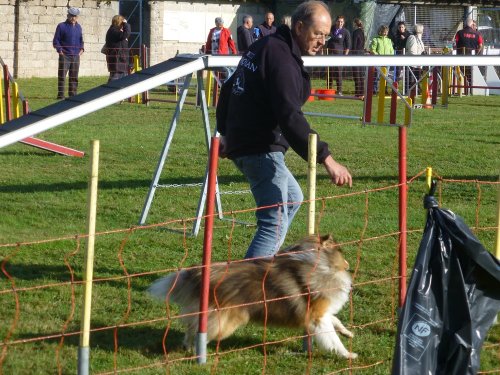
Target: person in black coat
339,44
245,34
399,39
117,56
259,117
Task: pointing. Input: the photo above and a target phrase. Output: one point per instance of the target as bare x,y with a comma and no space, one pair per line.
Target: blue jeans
272,184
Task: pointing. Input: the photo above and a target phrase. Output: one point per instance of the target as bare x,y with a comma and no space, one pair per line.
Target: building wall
183,26
171,27
37,21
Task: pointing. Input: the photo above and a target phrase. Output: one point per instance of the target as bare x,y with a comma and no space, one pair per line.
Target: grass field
43,199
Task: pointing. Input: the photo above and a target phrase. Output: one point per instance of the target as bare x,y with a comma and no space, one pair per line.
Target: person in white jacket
415,46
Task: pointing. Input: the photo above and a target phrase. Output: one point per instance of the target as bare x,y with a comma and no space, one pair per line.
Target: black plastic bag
452,300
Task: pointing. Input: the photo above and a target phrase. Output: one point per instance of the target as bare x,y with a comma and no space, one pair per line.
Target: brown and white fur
304,286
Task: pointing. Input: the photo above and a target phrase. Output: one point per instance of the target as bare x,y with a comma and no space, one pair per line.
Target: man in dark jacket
259,116
245,34
267,27
68,42
468,42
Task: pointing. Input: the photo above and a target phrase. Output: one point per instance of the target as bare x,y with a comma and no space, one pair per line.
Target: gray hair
246,18
418,28
306,10
219,21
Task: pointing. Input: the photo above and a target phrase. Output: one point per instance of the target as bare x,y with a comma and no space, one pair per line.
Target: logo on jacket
239,82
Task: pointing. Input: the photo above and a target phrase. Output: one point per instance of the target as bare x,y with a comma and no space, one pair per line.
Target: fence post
497,243
201,340
402,214
311,183
368,94
83,349
435,75
445,85
145,59
307,341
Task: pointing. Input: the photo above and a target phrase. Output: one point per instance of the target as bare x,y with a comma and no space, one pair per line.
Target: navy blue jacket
68,38
259,108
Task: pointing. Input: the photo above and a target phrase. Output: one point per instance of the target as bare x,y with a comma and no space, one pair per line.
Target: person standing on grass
339,44
259,117
117,56
358,48
381,45
399,39
68,42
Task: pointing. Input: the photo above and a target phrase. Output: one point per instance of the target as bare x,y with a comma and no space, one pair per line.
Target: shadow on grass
143,184
54,273
149,341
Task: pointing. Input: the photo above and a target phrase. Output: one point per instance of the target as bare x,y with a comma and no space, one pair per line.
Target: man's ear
299,28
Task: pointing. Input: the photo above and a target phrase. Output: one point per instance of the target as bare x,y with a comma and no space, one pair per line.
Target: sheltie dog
303,286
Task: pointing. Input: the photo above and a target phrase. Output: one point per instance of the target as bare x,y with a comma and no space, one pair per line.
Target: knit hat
73,11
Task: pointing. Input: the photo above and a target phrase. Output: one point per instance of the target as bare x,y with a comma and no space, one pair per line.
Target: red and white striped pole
201,342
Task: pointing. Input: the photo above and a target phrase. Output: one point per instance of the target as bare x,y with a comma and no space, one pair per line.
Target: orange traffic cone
428,102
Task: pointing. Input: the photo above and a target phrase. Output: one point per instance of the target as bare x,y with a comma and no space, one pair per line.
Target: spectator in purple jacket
68,42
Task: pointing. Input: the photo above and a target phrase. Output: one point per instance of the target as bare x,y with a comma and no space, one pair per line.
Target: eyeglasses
324,37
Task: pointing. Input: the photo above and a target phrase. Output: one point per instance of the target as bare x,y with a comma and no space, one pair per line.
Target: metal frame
135,14
166,146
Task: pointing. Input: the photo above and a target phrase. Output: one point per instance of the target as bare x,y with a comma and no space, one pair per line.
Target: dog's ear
326,240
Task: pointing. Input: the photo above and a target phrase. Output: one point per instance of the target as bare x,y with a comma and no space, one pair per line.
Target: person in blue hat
68,42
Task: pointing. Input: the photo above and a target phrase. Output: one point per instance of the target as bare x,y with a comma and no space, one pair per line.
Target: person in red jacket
220,41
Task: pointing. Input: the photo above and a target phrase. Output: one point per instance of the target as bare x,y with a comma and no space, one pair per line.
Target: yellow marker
381,95
428,177
408,111
208,87
137,67
2,115
15,100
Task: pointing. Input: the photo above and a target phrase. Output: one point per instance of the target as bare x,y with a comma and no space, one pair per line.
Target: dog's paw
351,355
347,333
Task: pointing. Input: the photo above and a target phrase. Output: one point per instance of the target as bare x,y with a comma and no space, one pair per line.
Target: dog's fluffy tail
162,288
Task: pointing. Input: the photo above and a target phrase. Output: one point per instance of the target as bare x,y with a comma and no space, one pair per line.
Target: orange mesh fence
41,290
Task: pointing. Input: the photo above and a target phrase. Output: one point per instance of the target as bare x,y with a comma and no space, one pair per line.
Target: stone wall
37,21
169,27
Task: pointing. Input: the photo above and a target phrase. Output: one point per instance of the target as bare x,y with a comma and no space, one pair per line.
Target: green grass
43,199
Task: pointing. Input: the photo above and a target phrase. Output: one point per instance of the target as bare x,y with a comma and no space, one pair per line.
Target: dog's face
337,260
325,244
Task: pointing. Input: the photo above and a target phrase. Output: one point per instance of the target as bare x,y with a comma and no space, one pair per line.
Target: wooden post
83,349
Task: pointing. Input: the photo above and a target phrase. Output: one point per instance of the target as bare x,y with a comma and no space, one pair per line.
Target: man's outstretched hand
339,174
